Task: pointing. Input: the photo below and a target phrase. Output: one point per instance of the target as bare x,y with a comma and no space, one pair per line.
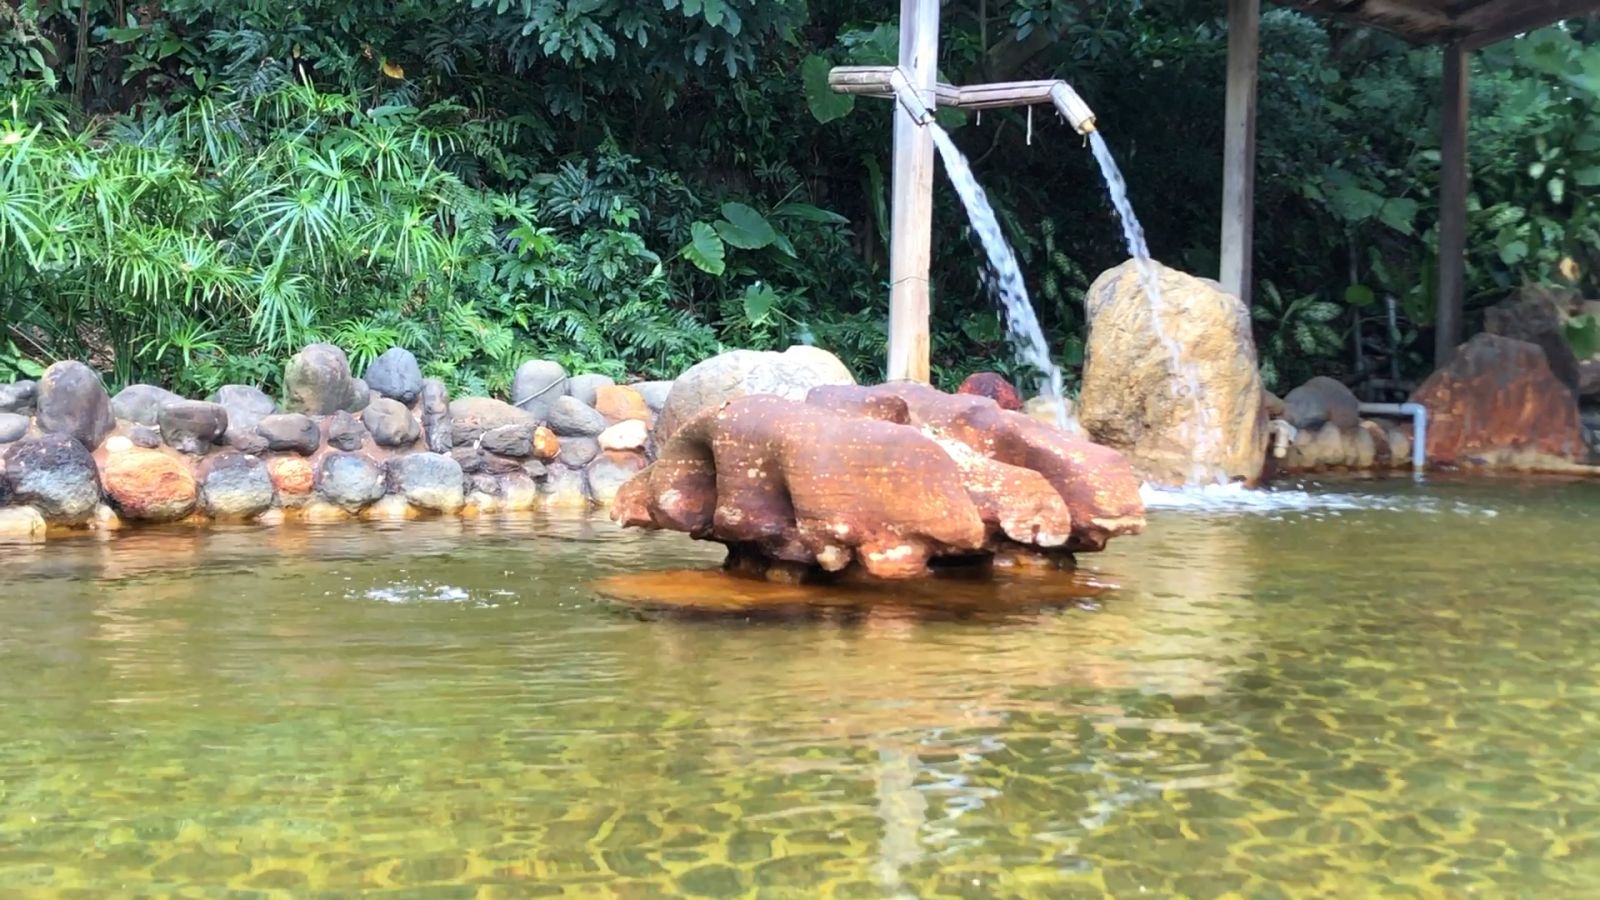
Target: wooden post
1454,116
1239,150
911,231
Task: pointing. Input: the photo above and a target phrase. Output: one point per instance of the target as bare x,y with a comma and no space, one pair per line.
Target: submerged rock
21,524
141,403
149,486
350,481
428,481
1498,403
54,474
72,401
193,426
1138,402
235,485
610,471
709,384
395,375
565,487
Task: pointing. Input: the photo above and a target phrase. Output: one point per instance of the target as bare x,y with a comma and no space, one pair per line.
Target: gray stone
141,403
72,401
251,443
514,440
18,397
246,407
362,394
344,431
436,425
610,471
395,375
655,393
317,382
429,481
390,423
291,431
565,486
144,436
470,459
12,427
578,451
21,524
192,426
471,417
535,469
626,435
55,474
583,387
495,464
1319,401
790,374
571,417
537,384
1537,314
235,485
350,480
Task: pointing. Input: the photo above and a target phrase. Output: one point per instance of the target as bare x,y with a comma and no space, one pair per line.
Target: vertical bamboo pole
1239,151
911,234
1452,205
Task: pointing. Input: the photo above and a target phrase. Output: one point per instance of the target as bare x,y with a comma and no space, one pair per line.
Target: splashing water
1185,379
1005,276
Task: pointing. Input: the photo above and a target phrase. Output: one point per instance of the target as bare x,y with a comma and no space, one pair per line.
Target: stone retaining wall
390,444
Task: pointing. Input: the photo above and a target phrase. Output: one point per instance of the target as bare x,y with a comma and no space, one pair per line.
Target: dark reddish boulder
1497,401
993,386
887,477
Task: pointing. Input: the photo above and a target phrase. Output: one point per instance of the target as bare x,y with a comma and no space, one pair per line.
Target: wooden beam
1495,22
1454,117
1239,150
911,232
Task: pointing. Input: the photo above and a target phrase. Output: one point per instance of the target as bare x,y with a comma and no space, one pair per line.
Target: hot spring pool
1365,689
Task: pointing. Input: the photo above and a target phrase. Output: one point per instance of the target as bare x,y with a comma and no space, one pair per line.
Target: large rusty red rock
149,485
1497,400
889,477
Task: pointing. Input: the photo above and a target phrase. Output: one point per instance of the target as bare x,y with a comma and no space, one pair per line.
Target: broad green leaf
1558,189
745,228
706,250
1514,252
1398,213
1583,333
825,105
1359,295
759,301
809,213
1587,177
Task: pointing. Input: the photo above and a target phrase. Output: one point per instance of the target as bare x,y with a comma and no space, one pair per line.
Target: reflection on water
1393,695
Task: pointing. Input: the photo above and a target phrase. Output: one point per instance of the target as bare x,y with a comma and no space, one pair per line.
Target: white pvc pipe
1419,426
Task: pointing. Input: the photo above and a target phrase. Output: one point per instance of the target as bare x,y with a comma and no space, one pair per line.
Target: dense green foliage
190,190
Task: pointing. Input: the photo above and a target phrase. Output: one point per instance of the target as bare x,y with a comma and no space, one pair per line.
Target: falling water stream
1022,324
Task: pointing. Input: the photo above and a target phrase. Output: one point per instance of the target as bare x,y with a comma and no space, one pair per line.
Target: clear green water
1389,701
